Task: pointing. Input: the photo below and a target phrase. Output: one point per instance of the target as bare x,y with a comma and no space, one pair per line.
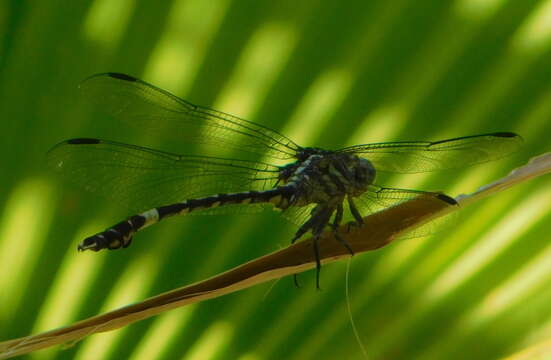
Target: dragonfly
314,187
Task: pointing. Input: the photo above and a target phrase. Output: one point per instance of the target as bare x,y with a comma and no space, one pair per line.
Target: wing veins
130,99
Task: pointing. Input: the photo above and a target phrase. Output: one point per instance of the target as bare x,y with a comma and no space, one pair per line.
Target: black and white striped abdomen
120,235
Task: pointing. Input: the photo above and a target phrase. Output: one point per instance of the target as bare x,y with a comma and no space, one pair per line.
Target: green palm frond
329,74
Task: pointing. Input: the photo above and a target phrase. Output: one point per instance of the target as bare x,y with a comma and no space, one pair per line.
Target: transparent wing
422,156
148,107
298,215
378,198
142,178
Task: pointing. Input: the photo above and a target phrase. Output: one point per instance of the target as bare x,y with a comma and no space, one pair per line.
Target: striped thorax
325,176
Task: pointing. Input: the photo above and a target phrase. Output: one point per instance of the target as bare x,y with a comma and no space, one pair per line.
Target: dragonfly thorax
328,176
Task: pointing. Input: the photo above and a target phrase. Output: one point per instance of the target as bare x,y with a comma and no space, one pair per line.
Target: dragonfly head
363,174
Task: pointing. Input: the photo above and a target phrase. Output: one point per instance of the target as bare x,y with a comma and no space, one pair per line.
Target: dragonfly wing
142,178
423,156
148,107
298,215
378,198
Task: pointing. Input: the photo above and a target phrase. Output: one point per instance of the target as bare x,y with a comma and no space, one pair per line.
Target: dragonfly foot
343,242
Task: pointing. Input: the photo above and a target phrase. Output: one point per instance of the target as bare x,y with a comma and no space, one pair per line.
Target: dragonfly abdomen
120,235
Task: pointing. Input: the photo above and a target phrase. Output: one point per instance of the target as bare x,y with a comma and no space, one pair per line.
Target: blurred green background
324,73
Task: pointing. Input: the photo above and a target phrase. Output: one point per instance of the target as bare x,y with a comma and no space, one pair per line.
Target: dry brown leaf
379,230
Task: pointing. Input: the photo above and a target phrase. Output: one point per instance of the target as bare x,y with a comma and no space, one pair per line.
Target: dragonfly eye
364,172
360,174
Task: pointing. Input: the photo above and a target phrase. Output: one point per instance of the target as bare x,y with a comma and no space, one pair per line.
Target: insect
314,187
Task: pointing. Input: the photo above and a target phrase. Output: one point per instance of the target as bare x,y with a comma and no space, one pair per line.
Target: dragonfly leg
315,241
343,242
321,220
307,226
336,222
317,222
301,231
354,211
